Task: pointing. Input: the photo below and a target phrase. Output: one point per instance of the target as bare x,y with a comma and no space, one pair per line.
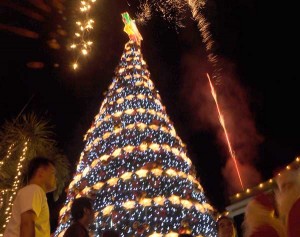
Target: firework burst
172,11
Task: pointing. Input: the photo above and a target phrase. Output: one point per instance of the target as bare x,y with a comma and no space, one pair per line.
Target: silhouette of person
82,216
30,211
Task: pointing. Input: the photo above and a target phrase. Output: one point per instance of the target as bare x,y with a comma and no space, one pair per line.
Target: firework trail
222,122
174,11
197,8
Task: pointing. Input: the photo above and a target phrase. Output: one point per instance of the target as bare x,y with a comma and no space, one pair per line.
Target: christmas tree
134,165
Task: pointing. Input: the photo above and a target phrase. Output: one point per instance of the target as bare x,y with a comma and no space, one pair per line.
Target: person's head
226,227
42,171
82,210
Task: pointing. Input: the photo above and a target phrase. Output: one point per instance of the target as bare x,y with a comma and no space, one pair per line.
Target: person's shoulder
265,231
30,189
76,229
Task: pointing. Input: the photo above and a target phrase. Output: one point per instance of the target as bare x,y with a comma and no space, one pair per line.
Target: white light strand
2,162
84,24
16,184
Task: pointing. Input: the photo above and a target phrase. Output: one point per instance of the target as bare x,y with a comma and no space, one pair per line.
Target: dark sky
258,88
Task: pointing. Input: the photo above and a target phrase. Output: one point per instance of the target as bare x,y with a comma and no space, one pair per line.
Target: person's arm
27,228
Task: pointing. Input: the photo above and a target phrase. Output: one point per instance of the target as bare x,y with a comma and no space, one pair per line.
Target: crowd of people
272,214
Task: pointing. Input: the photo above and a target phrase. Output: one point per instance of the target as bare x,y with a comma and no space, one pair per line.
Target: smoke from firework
240,125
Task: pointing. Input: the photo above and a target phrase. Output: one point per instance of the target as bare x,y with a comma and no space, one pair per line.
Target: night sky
258,87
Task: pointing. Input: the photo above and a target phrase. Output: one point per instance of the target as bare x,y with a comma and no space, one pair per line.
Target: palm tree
27,136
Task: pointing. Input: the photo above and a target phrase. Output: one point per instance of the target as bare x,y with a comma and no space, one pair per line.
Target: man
30,211
82,215
288,199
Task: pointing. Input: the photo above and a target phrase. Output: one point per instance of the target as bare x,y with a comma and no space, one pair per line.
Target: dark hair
77,209
36,163
225,218
110,233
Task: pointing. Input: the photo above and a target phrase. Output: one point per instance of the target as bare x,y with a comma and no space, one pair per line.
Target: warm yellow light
112,181
117,152
86,190
155,234
171,172
157,172
104,157
154,147
84,52
146,202
98,186
85,171
174,199
75,66
107,210
143,146
159,200
129,204
128,148
172,234
126,175
106,135
186,204
142,173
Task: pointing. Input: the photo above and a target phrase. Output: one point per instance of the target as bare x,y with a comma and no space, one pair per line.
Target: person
30,211
82,215
260,219
288,200
226,227
110,233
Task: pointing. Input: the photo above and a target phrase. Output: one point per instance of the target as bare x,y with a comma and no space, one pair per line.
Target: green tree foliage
40,136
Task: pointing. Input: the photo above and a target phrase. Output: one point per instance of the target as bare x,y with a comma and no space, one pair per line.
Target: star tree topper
131,29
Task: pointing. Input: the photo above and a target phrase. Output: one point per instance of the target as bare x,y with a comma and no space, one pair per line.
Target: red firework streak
222,121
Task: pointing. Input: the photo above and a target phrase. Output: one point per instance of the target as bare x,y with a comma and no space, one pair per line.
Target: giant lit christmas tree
134,165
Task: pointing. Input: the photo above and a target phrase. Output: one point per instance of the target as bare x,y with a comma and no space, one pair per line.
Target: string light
2,162
264,185
16,185
82,44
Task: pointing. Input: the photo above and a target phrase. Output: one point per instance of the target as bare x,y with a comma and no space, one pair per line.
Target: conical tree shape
135,166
